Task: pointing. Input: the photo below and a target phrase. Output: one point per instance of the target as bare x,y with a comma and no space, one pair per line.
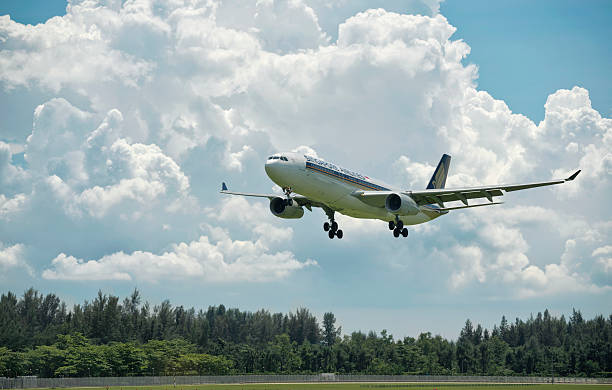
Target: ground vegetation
40,335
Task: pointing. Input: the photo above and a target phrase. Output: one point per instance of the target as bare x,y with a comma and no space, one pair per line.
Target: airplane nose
272,168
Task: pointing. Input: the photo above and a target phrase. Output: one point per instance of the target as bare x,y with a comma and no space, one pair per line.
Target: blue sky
33,12
120,121
558,44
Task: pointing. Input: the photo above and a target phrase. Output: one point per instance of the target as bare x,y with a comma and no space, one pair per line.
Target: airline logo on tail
438,180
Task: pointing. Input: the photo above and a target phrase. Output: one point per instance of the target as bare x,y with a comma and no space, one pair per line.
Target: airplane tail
438,180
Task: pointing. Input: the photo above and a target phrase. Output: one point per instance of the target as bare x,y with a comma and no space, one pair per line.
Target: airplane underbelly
338,195
353,207
415,219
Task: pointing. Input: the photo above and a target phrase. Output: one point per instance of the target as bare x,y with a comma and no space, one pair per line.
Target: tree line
40,336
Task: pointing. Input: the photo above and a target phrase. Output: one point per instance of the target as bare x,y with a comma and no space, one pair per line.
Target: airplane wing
441,195
224,190
301,200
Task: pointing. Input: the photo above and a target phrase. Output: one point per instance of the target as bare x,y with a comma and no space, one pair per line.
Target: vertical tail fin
438,180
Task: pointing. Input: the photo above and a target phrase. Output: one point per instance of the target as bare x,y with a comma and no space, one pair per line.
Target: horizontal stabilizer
467,207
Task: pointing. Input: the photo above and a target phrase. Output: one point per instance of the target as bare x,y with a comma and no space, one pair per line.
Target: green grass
360,386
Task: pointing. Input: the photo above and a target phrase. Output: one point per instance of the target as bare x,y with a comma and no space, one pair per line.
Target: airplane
310,182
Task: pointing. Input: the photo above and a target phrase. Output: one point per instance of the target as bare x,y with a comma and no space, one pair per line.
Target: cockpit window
282,158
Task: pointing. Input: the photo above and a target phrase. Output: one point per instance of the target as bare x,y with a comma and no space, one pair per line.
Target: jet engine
401,204
280,208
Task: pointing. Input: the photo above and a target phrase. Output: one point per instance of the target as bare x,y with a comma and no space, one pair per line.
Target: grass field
362,386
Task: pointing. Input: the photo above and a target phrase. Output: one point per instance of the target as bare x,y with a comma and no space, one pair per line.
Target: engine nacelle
401,204
280,208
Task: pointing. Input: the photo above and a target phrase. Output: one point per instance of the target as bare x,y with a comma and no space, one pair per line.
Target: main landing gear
398,227
331,227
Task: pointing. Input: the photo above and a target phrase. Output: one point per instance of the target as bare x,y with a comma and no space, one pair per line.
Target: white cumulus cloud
13,257
223,260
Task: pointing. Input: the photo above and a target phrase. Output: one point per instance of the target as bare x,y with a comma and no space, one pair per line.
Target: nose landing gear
398,227
288,191
331,227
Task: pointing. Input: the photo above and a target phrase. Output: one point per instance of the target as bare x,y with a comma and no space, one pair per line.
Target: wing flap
469,206
462,196
517,187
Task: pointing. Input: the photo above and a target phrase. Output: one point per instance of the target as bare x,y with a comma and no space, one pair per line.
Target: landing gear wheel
331,227
396,232
400,224
391,225
405,232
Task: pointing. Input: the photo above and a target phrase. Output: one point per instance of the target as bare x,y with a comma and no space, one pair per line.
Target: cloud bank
140,108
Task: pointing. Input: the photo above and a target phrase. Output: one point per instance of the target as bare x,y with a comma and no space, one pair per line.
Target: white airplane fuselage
335,187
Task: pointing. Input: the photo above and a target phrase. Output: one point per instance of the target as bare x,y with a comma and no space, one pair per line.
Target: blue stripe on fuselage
343,176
